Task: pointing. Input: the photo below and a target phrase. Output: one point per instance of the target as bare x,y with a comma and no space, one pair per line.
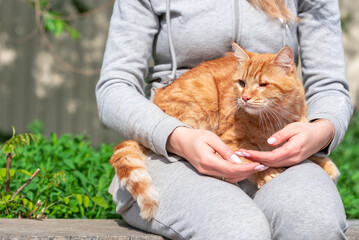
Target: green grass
346,156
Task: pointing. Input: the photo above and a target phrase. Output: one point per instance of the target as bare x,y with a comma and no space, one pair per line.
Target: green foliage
53,21
72,183
17,141
19,206
56,25
36,126
346,157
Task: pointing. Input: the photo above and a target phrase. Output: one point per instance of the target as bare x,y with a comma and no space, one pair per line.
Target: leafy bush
72,183
346,156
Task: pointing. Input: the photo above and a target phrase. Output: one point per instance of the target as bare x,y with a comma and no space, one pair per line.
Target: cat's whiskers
286,116
268,122
263,121
232,110
253,107
283,117
270,118
285,113
260,120
277,120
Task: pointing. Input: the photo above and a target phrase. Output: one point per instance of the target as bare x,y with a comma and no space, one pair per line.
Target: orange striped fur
210,97
128,162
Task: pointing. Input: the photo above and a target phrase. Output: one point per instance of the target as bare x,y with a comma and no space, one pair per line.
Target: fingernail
271,140
239,154
260,168
236,159
246,154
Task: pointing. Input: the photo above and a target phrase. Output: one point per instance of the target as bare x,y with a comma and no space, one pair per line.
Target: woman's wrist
328,129
172,144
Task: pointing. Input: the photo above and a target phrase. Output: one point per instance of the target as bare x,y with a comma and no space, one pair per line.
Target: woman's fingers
222,149
218,167
301,141
209,154
283,135
275,157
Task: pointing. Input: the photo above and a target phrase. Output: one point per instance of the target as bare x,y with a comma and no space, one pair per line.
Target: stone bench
55,229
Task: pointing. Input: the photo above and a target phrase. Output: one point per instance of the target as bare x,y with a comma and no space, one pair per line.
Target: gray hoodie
202,30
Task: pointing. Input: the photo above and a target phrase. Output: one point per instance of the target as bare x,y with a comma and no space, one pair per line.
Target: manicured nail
271,140
246,154
243,154
260,168
239,154
235,158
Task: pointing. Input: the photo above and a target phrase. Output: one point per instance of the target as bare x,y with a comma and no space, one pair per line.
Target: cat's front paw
263,177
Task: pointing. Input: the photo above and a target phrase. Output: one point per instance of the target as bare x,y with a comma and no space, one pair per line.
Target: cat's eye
242,83
263,84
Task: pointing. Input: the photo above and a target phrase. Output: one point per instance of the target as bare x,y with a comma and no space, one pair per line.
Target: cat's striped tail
128,160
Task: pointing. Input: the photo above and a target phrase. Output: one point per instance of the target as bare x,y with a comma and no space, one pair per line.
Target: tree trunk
8,166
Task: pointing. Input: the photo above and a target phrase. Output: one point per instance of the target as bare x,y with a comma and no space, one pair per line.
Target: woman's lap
303,202
193,206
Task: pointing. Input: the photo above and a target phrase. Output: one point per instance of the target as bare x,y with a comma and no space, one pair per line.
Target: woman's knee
246,222
303,202
223,223
315,226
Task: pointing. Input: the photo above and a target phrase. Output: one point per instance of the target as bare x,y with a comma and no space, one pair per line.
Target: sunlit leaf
74,208
7,148
23,171
27,139
12,172
7,198
50,24
66,200
86,201
13,131
59,27
78,198
3,173
100,201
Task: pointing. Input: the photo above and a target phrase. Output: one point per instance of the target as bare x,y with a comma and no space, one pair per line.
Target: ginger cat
243,97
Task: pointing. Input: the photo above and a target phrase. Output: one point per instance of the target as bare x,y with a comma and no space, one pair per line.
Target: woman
300,203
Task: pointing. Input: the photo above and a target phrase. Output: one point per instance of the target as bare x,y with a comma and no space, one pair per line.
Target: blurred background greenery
47,73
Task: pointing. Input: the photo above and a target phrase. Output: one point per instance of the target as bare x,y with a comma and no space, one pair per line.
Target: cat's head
265,81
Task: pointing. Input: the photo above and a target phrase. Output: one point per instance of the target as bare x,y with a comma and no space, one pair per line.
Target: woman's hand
301,140
200,148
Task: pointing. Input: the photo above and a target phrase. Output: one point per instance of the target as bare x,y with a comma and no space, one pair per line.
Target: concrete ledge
353,231
55,229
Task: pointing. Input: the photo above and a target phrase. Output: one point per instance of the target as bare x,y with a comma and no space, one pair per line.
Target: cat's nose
246,98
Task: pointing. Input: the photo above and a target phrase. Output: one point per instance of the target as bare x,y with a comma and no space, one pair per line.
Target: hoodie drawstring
167,80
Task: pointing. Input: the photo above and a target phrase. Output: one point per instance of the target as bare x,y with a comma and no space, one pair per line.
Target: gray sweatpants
301,203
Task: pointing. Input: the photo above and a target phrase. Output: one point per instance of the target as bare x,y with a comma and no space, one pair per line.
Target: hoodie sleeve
119,92
323,66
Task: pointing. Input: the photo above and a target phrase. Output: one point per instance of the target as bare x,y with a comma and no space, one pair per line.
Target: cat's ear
285,59
239,52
